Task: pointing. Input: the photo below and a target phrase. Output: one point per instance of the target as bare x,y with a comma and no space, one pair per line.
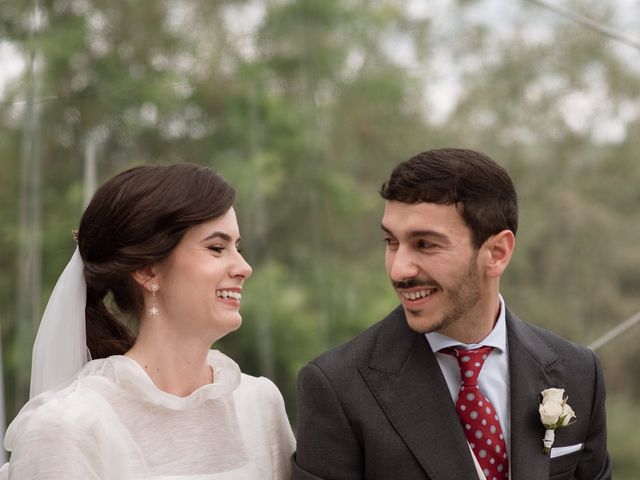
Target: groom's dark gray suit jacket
378,408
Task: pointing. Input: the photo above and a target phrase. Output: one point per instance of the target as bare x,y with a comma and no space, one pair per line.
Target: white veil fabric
60,349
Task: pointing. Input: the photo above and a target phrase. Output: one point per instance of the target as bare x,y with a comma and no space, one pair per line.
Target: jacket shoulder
570,354
357,351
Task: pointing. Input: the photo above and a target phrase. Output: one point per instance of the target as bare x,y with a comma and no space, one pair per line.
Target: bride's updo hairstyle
134,220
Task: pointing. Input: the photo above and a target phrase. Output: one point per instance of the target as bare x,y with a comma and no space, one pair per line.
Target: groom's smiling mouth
414,292
417,294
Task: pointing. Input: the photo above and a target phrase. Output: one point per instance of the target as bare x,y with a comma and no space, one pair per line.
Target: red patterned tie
477,415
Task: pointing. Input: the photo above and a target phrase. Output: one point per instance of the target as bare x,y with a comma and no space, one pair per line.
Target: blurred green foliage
305,106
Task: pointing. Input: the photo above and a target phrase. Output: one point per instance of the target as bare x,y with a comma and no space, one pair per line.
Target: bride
157,250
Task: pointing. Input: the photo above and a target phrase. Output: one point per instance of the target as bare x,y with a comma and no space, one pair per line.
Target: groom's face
432,264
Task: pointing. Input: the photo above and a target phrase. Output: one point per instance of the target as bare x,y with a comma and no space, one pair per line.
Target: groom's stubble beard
464,295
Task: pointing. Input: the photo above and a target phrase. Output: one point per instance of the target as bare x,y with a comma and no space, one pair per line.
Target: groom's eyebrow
442,238
431,234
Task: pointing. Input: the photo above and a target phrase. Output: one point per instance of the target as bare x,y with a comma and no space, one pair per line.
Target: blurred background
305,106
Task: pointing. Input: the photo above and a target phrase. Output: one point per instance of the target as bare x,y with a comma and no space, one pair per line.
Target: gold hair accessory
75,232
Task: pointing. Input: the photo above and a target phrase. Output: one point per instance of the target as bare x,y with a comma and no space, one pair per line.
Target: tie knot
469,361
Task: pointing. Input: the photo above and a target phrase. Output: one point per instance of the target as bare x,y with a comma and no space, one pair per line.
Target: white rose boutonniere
555,412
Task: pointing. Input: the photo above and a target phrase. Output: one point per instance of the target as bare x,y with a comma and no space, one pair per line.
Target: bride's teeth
229,294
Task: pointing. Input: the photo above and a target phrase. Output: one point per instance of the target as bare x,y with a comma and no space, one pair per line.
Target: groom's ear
498,249
143,276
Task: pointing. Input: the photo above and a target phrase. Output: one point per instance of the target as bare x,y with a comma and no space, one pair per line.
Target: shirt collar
497,338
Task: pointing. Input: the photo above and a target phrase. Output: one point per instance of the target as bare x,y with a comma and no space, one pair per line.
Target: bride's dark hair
134,220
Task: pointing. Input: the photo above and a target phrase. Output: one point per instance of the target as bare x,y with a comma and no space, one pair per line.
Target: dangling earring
153,311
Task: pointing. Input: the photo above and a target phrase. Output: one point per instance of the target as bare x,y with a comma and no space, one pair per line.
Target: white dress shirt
493,380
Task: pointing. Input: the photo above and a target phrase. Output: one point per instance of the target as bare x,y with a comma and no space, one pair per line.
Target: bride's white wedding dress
112,423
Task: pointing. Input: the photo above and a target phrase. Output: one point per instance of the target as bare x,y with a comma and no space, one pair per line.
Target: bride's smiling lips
230,295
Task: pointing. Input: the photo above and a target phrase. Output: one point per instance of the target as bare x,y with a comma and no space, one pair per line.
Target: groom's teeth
417,295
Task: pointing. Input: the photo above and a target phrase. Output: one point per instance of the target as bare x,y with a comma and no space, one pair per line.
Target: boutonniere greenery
555,413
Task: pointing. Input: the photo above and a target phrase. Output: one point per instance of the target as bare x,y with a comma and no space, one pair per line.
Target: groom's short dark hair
482,190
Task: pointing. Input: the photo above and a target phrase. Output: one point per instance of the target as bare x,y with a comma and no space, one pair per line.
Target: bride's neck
177,366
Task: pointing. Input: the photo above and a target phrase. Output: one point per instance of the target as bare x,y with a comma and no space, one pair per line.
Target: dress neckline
130,376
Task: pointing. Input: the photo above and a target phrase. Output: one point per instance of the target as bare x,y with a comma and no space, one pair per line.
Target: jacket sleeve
328,447
595,462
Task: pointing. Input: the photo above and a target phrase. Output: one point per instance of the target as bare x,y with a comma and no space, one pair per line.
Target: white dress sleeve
71,437
265,428
281,441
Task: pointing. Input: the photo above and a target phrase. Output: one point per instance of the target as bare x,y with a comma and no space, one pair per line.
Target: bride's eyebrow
221,235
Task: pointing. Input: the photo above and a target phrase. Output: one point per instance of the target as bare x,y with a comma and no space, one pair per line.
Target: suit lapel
532,368
404,376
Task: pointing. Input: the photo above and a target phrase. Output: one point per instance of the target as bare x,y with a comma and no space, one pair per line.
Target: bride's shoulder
260,389
75,407
71,429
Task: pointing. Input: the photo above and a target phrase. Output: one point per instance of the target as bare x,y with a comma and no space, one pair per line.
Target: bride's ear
144,276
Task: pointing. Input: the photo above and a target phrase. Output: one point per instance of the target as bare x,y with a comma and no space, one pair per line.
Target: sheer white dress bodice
112,423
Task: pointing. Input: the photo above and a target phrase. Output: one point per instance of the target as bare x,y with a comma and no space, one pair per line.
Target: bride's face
201,281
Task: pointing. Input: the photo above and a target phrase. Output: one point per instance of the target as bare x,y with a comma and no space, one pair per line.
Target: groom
447,386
